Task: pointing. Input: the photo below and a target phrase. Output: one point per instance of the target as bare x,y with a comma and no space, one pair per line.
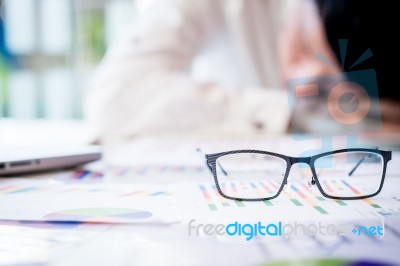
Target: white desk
143,244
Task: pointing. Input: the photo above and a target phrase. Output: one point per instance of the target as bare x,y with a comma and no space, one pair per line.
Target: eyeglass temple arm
205,159
358,163
209,165
222,169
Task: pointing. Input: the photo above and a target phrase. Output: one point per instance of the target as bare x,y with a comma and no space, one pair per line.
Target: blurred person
144,83
144,86
316,28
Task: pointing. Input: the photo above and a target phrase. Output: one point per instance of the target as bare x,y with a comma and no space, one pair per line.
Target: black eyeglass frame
211,162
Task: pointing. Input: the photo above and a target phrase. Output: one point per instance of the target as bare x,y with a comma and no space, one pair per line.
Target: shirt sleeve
143,84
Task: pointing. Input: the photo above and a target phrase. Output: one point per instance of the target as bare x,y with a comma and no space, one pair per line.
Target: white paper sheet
98,203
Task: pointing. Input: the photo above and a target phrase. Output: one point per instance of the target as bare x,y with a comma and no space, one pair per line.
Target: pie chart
99,215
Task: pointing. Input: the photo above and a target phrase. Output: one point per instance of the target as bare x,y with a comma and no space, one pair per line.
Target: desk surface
172,162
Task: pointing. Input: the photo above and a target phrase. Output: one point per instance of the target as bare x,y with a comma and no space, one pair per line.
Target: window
49,49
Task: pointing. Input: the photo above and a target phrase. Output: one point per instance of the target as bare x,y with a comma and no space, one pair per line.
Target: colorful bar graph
276,186
68,190
206,195
239,203
351,188
38,189
19,189
144,193
235,193
133,193
298,194
368,201
337,185
328,187
260,194
223,200
309,200
292,199
264,186
287,194
160,193
5,189
128,171
81,174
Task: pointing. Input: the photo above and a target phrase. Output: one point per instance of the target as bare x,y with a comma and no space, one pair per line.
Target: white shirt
150,81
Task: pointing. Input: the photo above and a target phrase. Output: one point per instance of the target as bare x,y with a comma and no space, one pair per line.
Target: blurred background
49,49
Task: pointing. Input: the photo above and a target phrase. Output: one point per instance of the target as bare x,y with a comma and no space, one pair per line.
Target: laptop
24,160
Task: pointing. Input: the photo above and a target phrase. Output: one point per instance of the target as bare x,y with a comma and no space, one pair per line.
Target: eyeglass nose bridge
294,160
305,160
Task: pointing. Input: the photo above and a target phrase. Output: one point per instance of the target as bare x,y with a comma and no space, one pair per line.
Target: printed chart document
96,203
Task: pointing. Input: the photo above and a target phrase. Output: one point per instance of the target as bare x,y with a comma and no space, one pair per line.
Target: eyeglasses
253,175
